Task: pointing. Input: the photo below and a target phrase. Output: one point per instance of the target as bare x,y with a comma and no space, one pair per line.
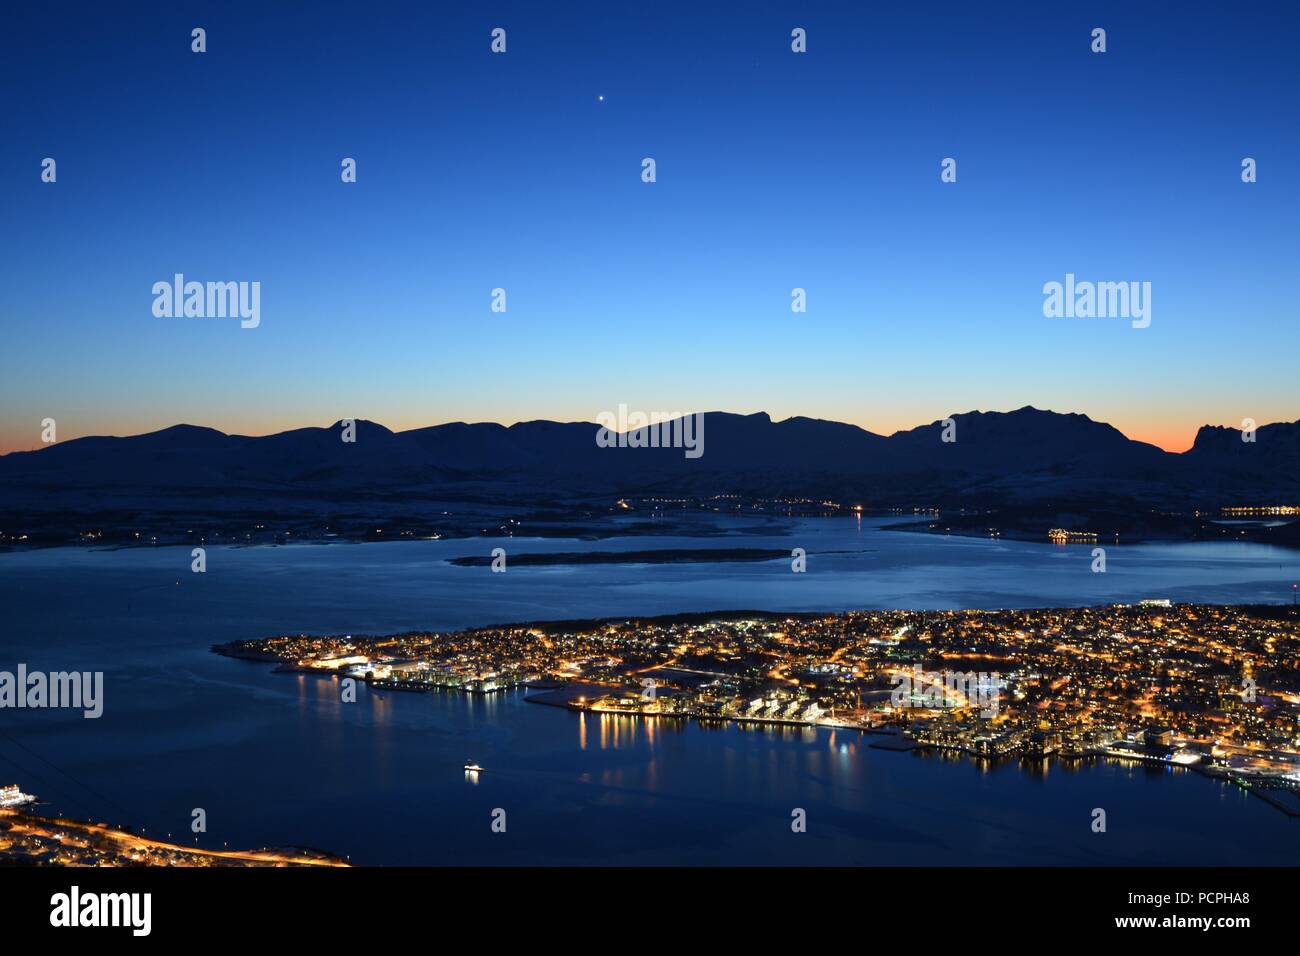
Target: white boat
473,768
11,796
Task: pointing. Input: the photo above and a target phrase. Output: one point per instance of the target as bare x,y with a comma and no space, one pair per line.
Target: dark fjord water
277,759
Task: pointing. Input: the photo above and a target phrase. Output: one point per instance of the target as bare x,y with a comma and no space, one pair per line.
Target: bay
278,760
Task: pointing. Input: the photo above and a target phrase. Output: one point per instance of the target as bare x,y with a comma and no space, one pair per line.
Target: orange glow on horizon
1168,435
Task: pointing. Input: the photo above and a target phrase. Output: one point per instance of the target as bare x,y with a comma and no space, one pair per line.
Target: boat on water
11,796
473,768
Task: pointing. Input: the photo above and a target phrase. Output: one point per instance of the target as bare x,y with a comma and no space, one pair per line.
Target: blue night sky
775,170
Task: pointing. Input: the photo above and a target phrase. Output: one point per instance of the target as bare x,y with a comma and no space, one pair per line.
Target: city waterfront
279,760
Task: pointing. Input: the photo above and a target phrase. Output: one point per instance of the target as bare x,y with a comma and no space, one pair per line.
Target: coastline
593,523
898,730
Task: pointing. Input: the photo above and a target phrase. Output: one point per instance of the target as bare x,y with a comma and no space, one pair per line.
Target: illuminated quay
1260,511
33,840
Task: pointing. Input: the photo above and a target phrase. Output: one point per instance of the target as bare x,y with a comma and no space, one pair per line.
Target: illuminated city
1214,688
701,452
